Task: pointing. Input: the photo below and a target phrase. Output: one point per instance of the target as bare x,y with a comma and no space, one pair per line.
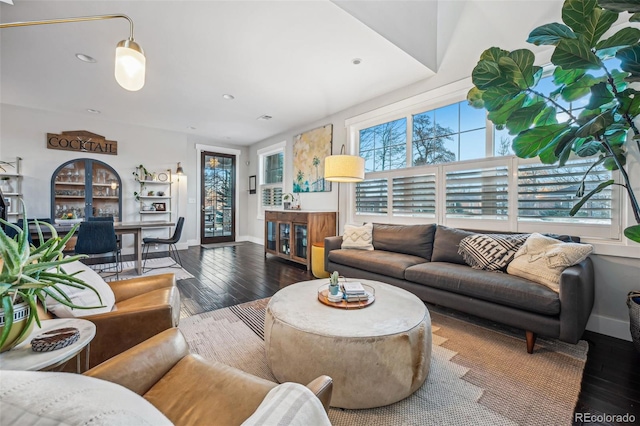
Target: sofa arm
139,368
126,289
576,300
330,243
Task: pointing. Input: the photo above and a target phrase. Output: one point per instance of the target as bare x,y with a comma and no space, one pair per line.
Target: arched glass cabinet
84,188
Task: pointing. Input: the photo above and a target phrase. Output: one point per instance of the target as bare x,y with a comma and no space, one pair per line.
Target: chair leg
145,254
176,255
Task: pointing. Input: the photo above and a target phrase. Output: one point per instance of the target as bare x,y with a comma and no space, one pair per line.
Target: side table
23,358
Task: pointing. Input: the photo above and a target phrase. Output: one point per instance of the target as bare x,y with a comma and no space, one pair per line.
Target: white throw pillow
289,404
43,398
83,297
542,259
358,237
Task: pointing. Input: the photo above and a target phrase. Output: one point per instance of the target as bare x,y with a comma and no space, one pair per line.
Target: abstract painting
309,151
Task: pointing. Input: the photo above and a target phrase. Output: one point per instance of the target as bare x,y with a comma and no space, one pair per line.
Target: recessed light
356,61
264,117
85,58
228,97
93,111
191,128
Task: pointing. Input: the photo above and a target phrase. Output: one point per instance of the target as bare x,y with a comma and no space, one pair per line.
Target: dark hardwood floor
226,276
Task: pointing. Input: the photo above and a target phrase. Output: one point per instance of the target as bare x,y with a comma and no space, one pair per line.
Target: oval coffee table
376,355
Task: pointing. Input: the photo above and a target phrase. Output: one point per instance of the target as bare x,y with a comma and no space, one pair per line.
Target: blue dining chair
106,219
99,237
171,242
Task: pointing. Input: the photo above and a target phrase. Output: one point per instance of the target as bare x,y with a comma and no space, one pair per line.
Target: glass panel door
285,239
218,198
300,232
271,236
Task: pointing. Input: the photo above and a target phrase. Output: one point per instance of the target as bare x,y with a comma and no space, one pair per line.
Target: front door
218,190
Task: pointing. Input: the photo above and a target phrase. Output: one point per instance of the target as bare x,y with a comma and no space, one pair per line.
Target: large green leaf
621,156
501,115
587,19
629,102
593,192
588,149
600,95
518,67
596,126
562,76
547,116
495,97
570,54
474,97
550,34
619,79
623,38
633,233
530,143
524,118
635,17
630,59
632,6
580,88
493,54
487,74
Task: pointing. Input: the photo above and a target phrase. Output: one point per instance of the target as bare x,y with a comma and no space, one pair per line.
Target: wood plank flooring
225,276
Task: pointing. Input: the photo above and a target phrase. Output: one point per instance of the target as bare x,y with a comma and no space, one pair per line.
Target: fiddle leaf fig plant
30,273
505,84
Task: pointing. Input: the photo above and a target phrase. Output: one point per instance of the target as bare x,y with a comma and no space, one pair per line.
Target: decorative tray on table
366,300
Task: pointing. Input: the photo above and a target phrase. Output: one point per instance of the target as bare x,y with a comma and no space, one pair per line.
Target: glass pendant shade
130,65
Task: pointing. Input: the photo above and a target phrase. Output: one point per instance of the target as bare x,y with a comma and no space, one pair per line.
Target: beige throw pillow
542,259
358,237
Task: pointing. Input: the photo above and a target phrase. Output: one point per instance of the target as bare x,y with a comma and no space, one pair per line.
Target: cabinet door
69,191
284,231
105,191
300,243
270,236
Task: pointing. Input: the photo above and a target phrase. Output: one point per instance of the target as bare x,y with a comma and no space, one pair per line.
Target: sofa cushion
358,237
542,259
83,297
491,252
446,244
43,398
289,404
416,240
377,261
494,287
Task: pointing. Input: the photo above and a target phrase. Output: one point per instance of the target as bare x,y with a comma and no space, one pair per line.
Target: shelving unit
148,204
11,185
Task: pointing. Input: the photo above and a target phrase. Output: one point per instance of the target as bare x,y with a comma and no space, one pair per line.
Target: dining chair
171,242
99,237
106,219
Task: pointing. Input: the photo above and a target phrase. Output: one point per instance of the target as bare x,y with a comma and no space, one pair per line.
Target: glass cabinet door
300,232
271,236
69,191
105,192
285,242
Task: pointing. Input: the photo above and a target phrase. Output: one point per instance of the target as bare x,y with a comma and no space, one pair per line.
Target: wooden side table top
23,358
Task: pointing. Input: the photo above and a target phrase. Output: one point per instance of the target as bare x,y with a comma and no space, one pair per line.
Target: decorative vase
21,313
633,302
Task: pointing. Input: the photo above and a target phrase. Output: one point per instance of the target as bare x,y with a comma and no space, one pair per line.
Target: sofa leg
531,341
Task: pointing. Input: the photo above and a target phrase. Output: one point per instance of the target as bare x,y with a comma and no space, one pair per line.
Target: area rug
479,375
163,265
216,245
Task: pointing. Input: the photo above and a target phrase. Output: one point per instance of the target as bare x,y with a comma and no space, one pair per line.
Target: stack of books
354,292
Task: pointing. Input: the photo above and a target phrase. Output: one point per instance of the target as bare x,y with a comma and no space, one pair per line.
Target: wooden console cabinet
291,233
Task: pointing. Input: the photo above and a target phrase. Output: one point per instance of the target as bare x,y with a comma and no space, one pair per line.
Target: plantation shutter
414,196
479,193
371,197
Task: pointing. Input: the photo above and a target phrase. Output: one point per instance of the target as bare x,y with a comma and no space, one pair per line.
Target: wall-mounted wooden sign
81,141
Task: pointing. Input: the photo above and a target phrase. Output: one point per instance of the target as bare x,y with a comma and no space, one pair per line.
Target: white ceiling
287,59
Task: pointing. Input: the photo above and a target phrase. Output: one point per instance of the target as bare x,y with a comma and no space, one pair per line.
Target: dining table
122,228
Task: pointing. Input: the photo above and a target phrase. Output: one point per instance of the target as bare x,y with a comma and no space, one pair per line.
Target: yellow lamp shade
344,168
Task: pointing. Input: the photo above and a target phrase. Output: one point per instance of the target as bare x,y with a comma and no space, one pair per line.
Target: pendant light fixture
130,64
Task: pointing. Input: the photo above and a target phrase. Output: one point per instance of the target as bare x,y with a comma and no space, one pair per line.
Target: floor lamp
343,168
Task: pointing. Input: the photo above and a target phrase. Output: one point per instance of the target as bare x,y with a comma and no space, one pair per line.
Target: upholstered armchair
143,307
190,390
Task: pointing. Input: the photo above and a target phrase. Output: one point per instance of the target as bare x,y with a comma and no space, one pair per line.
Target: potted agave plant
28,274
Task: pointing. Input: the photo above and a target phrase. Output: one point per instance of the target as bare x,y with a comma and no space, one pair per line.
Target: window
480,193
414,196
384,147
271,177
371,197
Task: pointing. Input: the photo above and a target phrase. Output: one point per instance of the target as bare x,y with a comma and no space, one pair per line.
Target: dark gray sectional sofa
424,260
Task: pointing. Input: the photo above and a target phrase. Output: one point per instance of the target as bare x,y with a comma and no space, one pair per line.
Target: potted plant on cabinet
28,274
505,84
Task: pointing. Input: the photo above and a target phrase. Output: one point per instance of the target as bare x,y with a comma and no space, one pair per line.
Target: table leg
78,368
87,353
137,242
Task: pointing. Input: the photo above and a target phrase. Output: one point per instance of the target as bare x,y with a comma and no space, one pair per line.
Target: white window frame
262,154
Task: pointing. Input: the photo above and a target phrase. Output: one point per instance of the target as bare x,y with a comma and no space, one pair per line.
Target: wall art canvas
309,151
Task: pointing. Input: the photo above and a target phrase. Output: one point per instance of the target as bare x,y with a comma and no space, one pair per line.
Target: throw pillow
83,297
542,259
491,252
289,404
358,237
43,398
416,240
446,244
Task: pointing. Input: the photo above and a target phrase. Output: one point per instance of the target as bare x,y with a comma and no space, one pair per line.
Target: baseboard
250,238
610,326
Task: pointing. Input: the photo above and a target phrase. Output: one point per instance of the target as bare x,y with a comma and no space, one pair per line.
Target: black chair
98,237
20,224
171,242
105,219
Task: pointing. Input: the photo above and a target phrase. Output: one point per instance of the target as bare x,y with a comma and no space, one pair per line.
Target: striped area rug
480,375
